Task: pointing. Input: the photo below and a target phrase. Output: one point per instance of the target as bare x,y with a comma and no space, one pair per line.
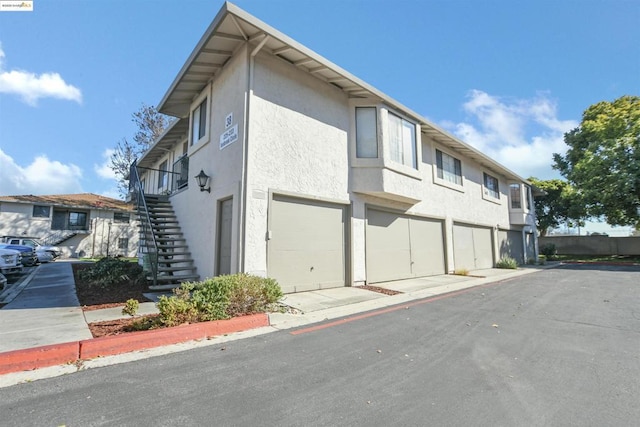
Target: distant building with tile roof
84,224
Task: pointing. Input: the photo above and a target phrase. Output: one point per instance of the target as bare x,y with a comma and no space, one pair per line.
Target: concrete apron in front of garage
316,301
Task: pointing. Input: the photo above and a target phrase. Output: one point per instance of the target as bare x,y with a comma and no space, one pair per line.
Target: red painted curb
117,344
59,354
39,357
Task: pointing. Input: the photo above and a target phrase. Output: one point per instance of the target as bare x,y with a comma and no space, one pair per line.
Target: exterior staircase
166,255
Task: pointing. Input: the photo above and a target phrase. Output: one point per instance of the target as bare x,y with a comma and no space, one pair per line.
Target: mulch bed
96,298
379,290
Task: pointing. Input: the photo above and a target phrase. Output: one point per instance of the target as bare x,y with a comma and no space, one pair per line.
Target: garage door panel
307,244
472,247
510,244
401,246
483,247
387,246
463,252
427,251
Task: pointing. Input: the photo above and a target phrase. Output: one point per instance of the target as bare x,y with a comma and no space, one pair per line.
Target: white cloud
42,176
522,134
104,170
30,87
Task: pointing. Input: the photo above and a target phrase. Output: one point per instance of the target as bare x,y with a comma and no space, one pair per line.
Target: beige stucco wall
297,144
198,211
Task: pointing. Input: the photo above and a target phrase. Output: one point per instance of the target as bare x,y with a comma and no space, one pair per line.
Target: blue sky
509,77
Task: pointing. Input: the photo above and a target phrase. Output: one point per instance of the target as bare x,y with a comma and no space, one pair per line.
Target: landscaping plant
507,262
219,298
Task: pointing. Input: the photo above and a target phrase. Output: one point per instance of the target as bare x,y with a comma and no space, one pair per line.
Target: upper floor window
41,211
366,133
199,122
163,176
121,217
402,141
449,168
491,187
527,193
516,196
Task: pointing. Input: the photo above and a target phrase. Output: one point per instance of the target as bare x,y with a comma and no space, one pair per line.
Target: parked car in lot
28,256
44,256
54,251
10,262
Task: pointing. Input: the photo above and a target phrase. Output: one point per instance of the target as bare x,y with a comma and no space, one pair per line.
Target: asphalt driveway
559,347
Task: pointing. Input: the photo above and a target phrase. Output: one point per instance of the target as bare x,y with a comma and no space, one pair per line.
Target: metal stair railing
146,232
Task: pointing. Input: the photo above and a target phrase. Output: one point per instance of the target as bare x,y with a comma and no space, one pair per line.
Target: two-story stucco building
80,225
315,177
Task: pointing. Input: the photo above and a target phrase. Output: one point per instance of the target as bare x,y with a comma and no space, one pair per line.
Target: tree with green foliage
560,205
151,124
603,160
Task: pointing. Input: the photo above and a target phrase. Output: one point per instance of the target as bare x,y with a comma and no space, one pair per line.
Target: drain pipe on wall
245,156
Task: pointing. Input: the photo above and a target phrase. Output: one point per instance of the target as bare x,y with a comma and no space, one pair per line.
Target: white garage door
472,247
402,246
306,248
510,244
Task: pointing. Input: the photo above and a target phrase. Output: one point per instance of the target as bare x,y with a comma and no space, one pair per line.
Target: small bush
461,272
542,259
507,262
548,250
218,298
113,272
131,307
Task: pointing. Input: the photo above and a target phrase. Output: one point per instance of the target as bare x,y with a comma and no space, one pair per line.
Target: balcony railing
161,181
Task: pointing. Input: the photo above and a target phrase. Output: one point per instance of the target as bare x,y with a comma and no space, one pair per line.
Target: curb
75,351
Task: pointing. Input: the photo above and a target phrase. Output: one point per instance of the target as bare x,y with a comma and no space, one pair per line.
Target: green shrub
549,250
542,259
507,262
113,272
177,309
131,307
461,272
218,298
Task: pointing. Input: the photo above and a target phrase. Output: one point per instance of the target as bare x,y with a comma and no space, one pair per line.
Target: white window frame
376,138
518,192
488,193
406,153
163,175
195,118
444,181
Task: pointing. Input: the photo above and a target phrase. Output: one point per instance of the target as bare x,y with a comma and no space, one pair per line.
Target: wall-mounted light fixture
203,180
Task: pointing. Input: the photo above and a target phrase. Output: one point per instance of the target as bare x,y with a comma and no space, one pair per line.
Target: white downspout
245,155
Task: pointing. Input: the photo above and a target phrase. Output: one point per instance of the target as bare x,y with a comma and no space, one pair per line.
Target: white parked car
44,256
10,262
35,244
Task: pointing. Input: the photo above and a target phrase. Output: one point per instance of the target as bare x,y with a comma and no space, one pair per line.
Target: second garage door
510,244
306,247
402,246
472,247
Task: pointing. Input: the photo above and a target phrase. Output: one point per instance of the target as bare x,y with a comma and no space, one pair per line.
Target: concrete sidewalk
44,309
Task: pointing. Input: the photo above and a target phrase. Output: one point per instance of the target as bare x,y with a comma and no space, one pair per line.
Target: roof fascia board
157,141
222,13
